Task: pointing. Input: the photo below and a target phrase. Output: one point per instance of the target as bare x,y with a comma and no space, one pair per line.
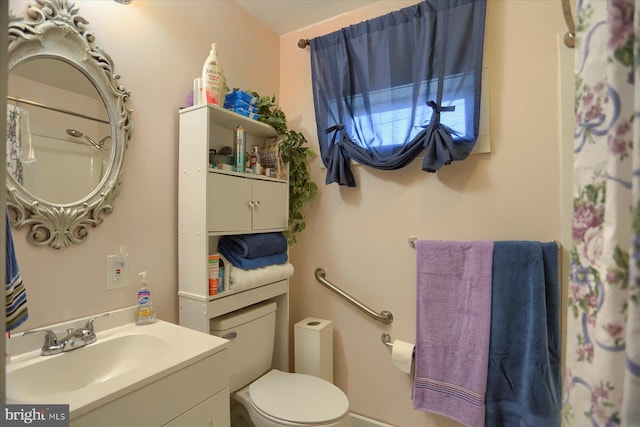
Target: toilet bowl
274,398
286,399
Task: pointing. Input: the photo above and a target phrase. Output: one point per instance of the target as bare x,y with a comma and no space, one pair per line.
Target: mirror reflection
60,143
68,126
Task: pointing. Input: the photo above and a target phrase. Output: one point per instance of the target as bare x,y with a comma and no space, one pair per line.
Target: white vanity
153,375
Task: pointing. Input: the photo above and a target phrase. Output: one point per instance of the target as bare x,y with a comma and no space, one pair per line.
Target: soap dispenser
144,312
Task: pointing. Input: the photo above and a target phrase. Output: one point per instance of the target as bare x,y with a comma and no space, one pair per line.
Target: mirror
54,136
68,126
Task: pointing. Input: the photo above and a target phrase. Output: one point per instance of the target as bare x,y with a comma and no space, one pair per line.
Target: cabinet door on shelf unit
229,207
271,205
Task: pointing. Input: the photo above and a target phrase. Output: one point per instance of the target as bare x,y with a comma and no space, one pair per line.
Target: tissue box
244,112
240,95
238,103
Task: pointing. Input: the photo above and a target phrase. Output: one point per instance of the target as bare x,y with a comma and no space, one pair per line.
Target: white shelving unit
213,203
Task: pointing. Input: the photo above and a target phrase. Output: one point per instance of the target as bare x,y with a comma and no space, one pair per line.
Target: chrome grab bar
384,316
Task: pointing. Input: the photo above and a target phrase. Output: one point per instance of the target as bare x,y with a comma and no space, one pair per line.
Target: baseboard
360,421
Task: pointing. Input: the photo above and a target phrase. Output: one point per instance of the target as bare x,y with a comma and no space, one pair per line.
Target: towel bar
384,316
412,242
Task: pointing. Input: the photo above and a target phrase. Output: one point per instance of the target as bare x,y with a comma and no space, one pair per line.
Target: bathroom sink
125,357
94,364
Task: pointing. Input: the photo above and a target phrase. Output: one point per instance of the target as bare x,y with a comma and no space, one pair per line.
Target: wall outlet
117,272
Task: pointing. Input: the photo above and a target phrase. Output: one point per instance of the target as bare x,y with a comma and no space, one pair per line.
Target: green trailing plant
294,151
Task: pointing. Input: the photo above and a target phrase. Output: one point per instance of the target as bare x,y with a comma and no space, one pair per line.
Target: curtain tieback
335,129
437,109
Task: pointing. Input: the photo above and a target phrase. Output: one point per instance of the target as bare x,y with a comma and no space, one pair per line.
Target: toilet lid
298,398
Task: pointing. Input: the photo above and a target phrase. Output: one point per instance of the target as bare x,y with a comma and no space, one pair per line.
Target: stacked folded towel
240,279
248,251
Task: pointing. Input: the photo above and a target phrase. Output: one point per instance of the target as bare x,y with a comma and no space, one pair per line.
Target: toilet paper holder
402,353
386,339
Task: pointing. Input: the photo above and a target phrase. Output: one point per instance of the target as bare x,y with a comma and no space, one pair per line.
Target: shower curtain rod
570,36
59,110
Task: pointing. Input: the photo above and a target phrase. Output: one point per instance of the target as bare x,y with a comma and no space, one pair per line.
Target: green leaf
293,151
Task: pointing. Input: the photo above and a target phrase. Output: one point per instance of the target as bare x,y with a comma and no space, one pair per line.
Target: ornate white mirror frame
53,29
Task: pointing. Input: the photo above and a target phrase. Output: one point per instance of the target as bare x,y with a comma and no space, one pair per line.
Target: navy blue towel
248,264
523,383
252,246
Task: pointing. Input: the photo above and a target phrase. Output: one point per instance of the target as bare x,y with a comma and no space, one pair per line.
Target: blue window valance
387,88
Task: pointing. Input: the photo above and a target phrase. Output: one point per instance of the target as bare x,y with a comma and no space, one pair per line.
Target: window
393,110
389,88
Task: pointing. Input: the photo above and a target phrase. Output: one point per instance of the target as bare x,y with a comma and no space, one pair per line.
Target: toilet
273,398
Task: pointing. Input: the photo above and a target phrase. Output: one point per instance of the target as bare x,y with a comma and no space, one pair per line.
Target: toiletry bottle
214,274
213,81
197,92
144,312
240,142
254,160
221,276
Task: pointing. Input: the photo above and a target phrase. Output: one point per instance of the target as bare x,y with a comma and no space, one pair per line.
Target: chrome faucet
50,345
75,338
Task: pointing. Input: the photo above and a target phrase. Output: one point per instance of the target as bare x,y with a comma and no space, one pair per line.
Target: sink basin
124,357
74,370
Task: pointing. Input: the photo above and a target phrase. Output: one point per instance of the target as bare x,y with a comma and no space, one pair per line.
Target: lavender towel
453,327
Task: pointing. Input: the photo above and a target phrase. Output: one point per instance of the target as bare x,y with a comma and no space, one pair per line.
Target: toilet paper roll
402,355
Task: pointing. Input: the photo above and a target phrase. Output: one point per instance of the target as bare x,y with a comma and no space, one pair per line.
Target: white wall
359,235
158,48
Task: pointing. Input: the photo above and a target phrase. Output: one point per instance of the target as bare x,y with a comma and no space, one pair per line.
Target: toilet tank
251,332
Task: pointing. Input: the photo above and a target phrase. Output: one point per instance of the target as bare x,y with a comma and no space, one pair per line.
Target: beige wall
158,48
359,235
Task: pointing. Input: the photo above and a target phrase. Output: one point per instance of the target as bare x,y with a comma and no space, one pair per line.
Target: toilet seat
297,399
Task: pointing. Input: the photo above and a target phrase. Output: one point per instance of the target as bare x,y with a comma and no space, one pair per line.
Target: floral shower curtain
603,340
